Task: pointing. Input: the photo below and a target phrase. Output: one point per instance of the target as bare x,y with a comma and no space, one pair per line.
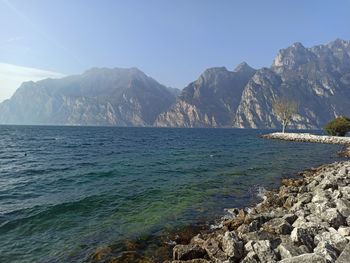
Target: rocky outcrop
306,220
210,101
316,78
100,96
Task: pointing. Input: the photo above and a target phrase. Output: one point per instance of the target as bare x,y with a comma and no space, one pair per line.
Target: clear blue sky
172,41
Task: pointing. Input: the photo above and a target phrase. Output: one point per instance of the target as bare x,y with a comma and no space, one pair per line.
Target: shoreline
306,219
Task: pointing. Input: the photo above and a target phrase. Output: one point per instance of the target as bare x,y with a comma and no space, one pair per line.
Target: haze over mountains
318,78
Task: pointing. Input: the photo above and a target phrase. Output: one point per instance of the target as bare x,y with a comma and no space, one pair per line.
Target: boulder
188,252
289,250
236,221
327,183
304,237
278,226
345,255
199,260
251,257
343,206
345,190
299,222
319,196
328,251
290,201
264,251
333,217
344,231
232,246
333,238
213,248
318,208
305,258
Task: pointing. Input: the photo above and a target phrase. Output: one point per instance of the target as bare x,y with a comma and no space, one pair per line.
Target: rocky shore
306,220
307,137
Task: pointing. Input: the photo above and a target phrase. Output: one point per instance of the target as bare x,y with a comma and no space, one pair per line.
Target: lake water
65,191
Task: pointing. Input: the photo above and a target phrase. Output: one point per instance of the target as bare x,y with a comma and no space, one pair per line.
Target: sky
172,41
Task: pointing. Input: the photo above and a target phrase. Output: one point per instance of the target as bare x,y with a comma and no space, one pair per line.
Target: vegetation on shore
338,127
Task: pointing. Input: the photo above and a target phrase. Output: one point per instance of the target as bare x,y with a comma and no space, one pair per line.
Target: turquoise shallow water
64,191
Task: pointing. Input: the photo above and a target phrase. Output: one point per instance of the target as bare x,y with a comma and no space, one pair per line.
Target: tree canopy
284,110
338,127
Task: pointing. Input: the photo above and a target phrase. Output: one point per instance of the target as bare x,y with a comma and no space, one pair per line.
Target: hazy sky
172,41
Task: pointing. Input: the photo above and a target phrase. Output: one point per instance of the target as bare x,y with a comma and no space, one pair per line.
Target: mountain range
317,78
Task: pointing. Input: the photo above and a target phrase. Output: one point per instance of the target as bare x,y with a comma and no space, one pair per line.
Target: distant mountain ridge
210,100
100,96
318,78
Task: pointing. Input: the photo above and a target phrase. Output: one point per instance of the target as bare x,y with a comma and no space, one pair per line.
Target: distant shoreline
307,137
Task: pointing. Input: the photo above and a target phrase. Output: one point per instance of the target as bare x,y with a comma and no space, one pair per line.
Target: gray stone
251,257
318,208
199,260
264,251
345,190
232,246
289,250
187,252
333,217
316,221
299,222
320,196
213,249
345,255
343,206
333,238
303,236
344,231
326,183
328,251
278,226
305,258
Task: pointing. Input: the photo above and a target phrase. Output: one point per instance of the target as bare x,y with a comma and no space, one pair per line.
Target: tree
284,110
338,127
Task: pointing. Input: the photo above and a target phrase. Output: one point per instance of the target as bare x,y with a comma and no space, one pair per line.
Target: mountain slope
318,78
100,96
210,101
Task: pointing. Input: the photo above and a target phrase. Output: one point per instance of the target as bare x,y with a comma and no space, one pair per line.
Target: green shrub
338,127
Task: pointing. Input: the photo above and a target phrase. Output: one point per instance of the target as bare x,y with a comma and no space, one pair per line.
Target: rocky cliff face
210,101
318,78
122,97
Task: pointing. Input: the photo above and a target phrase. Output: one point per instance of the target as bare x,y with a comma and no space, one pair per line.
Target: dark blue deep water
64,191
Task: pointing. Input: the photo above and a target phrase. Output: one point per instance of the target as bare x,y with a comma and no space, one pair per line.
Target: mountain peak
243,67
297,45
214,70
292,57
99,70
